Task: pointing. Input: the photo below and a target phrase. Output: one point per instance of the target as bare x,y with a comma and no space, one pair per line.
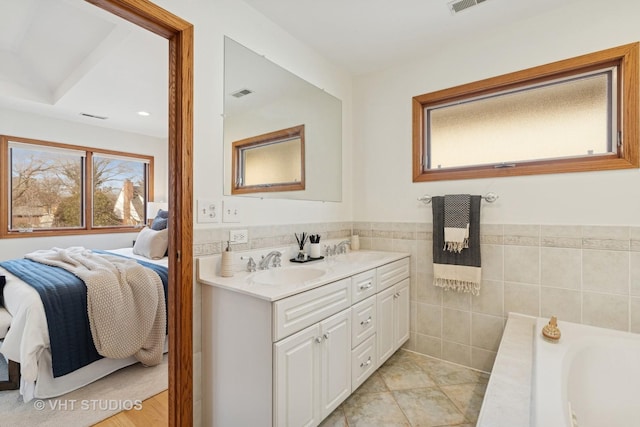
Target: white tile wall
582,274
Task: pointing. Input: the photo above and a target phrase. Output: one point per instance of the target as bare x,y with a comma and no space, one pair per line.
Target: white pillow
151,244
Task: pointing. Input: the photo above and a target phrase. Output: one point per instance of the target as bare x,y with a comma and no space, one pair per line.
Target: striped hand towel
458,271
456,222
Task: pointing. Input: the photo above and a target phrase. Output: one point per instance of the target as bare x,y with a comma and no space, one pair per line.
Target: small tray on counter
308,259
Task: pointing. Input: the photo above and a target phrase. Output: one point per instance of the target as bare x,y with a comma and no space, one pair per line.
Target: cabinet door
401,312
336,361
385,301
297,375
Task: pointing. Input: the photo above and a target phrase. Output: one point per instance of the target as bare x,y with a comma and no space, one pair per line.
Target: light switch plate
230,211
208,211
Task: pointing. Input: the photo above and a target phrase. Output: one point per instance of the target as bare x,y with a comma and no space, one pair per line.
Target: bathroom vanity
286,346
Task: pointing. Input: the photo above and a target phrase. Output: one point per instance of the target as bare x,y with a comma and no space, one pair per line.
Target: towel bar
489,197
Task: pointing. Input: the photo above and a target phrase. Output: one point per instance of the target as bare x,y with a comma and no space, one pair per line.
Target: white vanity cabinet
393,319
312,372
289,356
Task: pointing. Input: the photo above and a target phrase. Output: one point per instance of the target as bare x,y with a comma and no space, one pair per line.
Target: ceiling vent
93,116
460,5
240,93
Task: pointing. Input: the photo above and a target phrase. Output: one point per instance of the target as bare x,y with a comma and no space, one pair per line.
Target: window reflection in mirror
269,162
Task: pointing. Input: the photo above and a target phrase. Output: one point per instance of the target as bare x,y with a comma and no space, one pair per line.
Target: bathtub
590,378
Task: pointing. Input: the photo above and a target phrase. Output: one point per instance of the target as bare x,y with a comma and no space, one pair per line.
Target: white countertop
337,267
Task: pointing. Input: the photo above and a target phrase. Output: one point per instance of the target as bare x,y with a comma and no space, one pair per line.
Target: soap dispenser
226,262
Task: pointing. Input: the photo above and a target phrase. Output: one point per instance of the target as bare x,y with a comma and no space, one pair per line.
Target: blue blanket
64,297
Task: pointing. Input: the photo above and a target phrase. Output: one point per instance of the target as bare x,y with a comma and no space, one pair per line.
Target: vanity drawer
363,320
392,273
363,285
363,362
296,312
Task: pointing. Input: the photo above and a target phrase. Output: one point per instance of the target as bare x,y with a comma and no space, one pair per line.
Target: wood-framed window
61,189
579,114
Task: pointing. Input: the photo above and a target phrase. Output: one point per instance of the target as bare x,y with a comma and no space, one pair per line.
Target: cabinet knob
396,295
367,363
326,336
365,286
319,339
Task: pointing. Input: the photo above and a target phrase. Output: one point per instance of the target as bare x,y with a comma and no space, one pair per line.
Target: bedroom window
56,189
574,115
123,180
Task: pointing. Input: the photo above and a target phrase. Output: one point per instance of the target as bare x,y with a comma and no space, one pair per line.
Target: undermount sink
287,275
357,256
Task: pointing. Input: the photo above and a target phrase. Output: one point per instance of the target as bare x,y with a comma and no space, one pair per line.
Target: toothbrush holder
314,250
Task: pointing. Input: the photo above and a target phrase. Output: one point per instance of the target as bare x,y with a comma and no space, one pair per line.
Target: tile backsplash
583,274
213,241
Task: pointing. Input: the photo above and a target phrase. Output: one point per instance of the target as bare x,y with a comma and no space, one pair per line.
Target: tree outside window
49,181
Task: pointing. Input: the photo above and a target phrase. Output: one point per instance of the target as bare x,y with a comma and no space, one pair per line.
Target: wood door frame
179,33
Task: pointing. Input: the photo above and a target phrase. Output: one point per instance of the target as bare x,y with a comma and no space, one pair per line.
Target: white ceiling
62,58
369,35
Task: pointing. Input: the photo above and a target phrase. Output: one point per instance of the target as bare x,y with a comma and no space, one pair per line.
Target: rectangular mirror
282,135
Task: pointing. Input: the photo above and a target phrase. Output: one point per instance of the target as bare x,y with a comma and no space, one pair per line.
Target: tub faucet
264,262
341,247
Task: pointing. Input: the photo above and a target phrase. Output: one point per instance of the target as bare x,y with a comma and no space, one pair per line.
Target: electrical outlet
230,211
208,211
238,236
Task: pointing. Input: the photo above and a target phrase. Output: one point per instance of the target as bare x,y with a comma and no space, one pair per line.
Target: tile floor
414,390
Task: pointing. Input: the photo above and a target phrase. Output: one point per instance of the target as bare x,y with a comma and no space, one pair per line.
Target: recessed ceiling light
143,113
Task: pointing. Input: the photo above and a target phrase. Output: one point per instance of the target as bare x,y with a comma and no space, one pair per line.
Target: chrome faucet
341,247
264,262
329,251
251,265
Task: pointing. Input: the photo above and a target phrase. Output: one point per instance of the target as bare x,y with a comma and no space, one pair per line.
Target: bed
27,341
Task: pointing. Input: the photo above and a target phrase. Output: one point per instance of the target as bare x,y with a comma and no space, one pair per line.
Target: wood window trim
626,57
88,228
238,146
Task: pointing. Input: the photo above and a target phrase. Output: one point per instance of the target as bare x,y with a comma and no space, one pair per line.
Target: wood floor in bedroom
154,412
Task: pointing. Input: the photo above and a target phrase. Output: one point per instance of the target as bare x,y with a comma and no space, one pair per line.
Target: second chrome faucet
264,262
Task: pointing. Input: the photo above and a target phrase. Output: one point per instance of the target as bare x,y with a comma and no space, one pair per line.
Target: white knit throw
125,302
